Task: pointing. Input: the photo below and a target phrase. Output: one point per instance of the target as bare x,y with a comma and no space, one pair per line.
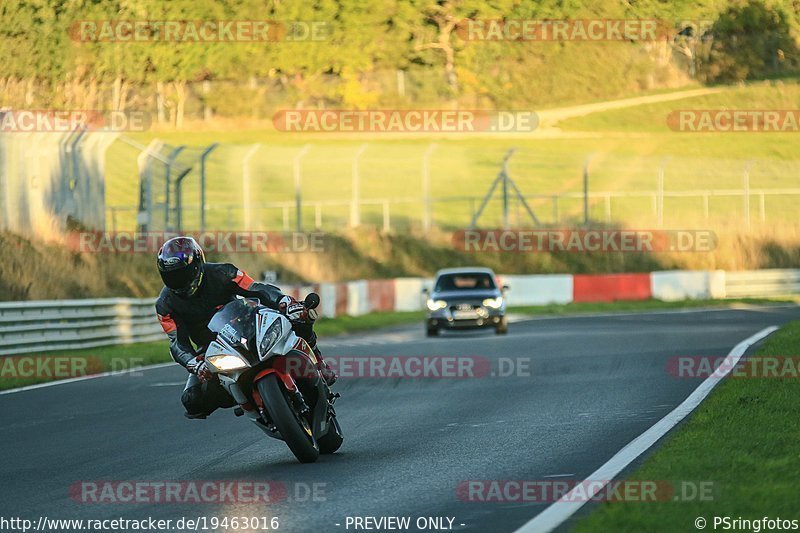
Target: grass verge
115,358
641,305
743,438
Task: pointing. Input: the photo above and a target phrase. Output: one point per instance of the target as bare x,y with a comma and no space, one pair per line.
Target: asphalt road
594,384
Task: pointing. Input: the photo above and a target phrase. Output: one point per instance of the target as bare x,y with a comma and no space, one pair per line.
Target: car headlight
272,335
435,305
494,303
226,362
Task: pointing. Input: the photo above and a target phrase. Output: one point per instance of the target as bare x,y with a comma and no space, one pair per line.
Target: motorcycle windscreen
235,321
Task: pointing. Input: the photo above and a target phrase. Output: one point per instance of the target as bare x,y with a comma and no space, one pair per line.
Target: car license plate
464,314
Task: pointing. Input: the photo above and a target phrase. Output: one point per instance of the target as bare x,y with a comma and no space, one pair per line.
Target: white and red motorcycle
273,376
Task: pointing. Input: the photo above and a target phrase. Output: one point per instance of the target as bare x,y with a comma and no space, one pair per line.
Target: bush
749,41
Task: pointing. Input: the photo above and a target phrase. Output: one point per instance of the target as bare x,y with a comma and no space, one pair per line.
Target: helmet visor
181,278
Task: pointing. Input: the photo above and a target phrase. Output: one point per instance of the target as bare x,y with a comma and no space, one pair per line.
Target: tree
750,41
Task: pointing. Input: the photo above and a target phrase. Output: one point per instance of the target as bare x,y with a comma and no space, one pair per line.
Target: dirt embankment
34,270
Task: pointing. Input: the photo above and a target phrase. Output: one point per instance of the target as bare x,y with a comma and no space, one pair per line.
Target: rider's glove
199,368
293,310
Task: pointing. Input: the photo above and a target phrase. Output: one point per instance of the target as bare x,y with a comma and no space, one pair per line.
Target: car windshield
465,281
236,316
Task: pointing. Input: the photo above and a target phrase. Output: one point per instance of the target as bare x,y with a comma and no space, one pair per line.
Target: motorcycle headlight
435,305
274,332
226,362
494,303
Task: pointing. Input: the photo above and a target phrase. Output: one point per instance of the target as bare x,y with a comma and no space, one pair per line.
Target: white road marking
567,505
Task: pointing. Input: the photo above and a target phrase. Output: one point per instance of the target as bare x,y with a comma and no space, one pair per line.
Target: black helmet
180,263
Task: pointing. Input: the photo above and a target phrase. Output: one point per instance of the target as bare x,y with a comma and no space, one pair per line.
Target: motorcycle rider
194,291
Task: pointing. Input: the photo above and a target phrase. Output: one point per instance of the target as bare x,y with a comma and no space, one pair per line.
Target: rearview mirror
312,300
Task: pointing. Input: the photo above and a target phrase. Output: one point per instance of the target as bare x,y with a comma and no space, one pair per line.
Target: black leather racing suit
185,321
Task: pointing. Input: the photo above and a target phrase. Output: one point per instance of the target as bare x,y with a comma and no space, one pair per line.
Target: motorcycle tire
292,427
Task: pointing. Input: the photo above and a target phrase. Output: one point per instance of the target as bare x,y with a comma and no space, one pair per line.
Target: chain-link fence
172,186
418,184
52,180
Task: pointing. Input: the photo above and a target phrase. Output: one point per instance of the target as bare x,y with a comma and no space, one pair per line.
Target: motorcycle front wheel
292,426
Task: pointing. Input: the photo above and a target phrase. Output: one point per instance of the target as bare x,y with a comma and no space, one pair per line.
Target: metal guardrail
27,327
762,283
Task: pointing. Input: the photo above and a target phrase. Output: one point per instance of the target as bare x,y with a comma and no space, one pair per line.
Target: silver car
465,298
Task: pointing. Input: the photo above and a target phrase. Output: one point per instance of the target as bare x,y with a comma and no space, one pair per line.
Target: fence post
586,190
297,189
248,225
318,216
355,215
5,180
168,176
762,207
746,192
660,196
426,184
144,163
386,218
203,158
555,208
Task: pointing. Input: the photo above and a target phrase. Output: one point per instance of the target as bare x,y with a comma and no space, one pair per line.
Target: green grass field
743,438
627,147
773,94
644,305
